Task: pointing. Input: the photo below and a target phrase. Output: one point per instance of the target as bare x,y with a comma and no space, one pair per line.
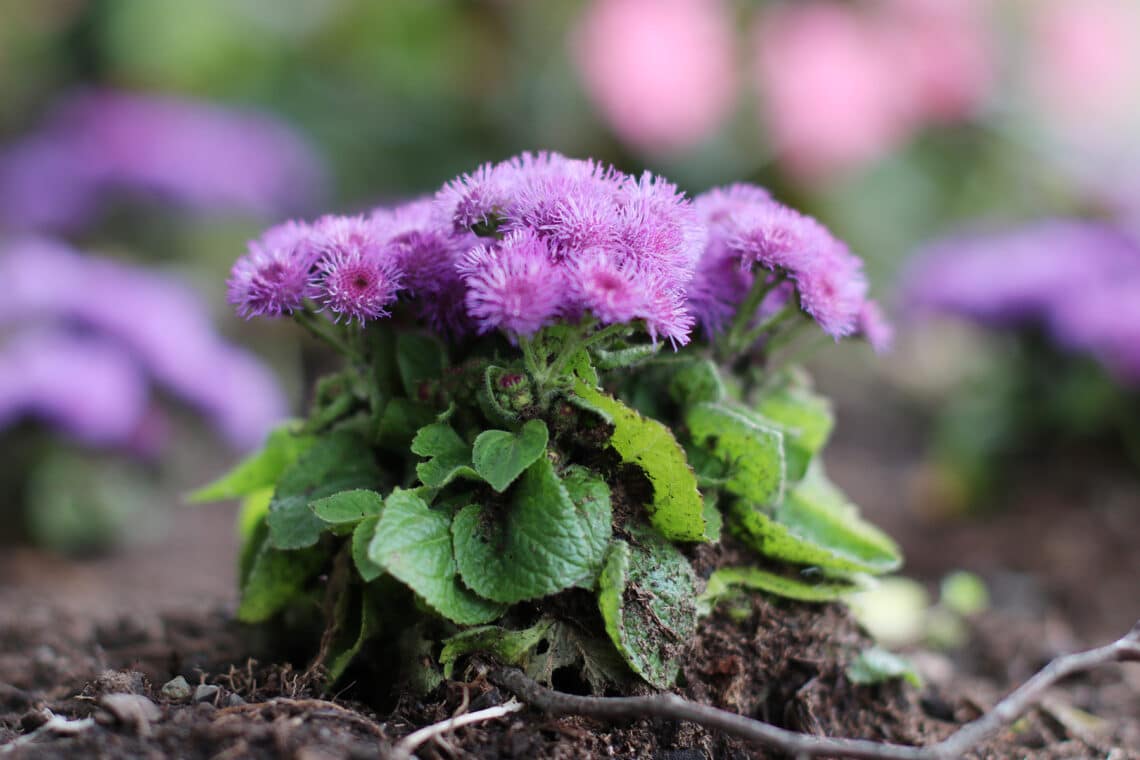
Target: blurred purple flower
88,387
156,320
1078,280
201,156
875,328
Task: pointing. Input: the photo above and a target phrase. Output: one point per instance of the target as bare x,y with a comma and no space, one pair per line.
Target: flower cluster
86,337
195,155
755,244
524,243
1080,281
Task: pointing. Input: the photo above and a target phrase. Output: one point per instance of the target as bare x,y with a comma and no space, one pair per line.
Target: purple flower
513,285
275,276
875,328
666,314
87,387
200,156
609,291
748,230
660,229
429,256
1079,280
473,200
359,275
161,324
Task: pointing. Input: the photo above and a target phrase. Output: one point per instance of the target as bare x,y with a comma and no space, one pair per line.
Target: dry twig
412,741
673,707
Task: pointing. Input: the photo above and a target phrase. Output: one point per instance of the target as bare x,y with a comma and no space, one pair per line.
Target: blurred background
981,155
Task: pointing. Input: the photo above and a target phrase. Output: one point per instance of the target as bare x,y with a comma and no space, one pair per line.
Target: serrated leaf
272,578
647,597
413,543
338,462
877,665
501,456
805,418
726,580
261,469
450,455
816,525
696,381
538,543
754,453
348,506
677,510
362,536
419,357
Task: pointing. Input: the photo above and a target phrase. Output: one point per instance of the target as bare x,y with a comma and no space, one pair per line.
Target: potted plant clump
565,428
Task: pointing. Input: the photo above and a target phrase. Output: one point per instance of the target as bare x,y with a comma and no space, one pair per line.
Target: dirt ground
101,639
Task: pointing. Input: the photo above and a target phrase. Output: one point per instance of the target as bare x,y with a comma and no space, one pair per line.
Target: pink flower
513,285
1085,61
359,275
662,72
274,277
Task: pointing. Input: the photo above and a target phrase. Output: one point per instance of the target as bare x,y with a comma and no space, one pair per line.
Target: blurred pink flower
1084,60
842,85
662,72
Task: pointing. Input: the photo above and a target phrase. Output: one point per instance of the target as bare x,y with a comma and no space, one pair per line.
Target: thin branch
412,741
673,707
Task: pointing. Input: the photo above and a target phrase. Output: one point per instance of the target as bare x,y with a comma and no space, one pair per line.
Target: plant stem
761,287
325,331
790,309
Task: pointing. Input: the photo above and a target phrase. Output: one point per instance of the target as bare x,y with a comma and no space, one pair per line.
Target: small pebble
132,710
205,693
176,689
235,700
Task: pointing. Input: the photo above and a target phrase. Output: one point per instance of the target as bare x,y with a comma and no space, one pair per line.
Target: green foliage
338,462
413,543
259,470
877,665
528,504
815,525
500,456
729,580
752,452
540,542
449,455
677,509
648,601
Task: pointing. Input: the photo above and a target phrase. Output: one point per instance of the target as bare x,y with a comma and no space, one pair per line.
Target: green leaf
509,646
696,381
413,543
538,543
877,665
362,536
260,469
753,452
358,620
400,421
338,462
253,510
647,598
714,521
806,420
348,506
272,578
726,580
625,357
816,525
677,510
419,357
450,455
501,456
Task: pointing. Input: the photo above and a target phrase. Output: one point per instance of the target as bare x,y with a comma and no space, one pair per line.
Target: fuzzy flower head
274,277
513,285
609,291
749,231
359,275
